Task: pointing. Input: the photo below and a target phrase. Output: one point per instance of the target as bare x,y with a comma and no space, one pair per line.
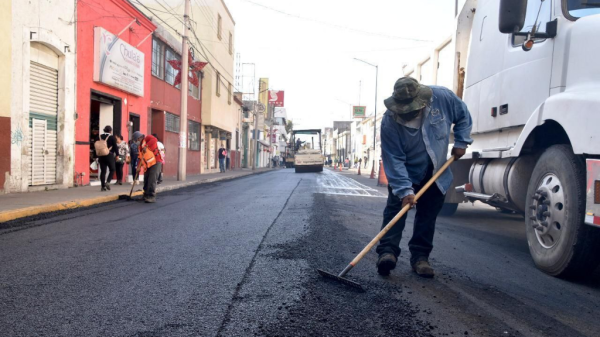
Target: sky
307,48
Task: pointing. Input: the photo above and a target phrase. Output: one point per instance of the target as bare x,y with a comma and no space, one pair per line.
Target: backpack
101,148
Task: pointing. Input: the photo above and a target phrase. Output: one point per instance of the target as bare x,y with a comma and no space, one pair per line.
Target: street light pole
375,119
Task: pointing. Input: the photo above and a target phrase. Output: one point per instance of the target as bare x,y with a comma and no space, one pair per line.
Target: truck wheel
560,243
448,209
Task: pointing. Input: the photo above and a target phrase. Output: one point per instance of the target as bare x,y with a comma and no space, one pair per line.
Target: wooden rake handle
401,213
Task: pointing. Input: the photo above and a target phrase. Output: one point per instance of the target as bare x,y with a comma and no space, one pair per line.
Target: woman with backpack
106,151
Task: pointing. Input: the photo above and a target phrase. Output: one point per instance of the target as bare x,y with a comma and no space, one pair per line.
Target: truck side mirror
512,15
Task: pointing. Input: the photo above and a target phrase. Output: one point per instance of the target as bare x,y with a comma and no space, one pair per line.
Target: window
533,7
219,27
218,84
581,8
230,44
193,136
194,91
170,72
229,93
158,59
172,123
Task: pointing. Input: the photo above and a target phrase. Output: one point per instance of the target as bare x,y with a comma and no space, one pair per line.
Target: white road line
335,184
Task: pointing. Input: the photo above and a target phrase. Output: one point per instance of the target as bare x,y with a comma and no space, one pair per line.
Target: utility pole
254,137
181,170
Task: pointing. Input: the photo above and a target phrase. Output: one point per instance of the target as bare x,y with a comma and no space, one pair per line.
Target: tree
289,127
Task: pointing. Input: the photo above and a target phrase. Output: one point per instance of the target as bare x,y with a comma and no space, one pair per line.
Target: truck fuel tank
507,177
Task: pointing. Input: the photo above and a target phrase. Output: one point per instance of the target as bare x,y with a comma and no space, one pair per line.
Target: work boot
150,200
386,262
423,268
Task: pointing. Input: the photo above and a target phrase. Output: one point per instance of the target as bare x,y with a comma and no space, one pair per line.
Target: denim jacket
403,163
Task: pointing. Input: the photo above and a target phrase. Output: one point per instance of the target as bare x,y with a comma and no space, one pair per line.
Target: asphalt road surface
238,258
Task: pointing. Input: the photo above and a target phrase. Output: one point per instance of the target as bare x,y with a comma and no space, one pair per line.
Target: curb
36,210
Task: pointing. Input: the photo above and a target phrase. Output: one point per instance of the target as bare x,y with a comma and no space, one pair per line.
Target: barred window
193,90
193,136
158,59
170,72
219,26
229,93
172,122
218,85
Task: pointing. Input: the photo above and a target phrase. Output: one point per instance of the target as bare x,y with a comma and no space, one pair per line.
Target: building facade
38,95
211,36
165,104
114,48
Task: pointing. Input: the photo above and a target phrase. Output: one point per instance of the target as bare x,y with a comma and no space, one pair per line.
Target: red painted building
166,105
114,57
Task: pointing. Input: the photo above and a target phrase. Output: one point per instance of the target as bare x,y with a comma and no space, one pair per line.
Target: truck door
505,84
524,82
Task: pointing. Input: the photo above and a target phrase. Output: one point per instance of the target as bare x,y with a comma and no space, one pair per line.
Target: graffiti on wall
16,137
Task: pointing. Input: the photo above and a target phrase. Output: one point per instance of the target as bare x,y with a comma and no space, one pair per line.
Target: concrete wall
5,93
50,24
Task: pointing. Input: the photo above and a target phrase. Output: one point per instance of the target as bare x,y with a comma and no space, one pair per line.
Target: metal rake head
341,280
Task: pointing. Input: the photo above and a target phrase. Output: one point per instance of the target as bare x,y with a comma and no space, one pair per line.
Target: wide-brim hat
408,96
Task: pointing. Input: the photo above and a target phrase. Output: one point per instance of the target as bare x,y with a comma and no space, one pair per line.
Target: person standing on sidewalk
150,160
222,155
106,151
122,159
161,148
415,134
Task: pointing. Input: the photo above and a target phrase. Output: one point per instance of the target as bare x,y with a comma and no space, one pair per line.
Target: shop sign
276,98
359,111
117,63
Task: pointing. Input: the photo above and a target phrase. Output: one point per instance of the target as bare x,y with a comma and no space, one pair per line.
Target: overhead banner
359,111
276,98
117,63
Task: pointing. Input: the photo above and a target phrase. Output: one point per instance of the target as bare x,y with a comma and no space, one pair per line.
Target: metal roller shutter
43,104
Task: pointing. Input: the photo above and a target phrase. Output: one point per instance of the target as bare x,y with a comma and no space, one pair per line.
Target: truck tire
448,209
560,243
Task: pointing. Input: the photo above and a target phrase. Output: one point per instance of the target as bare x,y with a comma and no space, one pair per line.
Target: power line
335,25
190,42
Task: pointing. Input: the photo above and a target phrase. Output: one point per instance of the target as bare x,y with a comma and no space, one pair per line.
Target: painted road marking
329,182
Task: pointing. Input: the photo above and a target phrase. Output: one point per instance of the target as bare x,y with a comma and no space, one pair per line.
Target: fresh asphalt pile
327,308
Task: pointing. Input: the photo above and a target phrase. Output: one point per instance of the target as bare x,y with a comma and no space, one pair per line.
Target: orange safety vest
147,157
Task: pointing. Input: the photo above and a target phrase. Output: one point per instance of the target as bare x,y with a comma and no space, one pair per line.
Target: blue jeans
428,207
222,164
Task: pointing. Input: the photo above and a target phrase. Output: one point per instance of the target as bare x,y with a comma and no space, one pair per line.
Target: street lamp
375,119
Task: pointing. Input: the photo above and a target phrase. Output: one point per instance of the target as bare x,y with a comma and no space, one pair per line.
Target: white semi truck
529,73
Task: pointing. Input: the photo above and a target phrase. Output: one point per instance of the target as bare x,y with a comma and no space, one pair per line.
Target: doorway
134,124
104,110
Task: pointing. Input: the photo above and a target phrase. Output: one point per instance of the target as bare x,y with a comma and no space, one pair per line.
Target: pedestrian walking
161,148
222,155
106,151
151,162
366,160
122,158
359,162
414,143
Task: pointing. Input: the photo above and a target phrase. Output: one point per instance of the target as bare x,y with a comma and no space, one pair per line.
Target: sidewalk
18,205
